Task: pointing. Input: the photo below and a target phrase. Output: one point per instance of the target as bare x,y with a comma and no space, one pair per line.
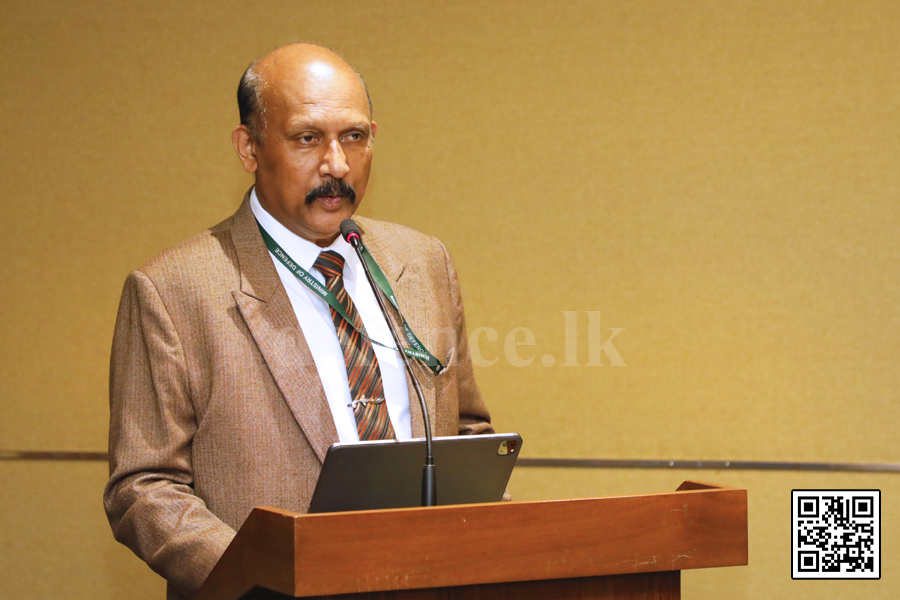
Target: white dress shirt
314,316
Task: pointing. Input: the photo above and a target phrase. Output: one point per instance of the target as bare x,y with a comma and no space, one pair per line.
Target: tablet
388,473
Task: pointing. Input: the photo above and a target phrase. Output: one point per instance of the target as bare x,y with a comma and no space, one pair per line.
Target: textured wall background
718,180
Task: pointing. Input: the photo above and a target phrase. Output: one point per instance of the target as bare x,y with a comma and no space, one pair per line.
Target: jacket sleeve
474,417
149,499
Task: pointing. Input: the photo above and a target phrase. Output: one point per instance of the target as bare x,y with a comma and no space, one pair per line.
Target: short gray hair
250,102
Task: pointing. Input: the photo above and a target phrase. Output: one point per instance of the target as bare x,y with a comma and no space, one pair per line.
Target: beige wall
719,179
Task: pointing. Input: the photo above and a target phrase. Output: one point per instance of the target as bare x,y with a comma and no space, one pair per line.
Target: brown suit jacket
215,402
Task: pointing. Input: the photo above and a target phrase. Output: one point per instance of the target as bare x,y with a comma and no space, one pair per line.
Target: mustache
332,187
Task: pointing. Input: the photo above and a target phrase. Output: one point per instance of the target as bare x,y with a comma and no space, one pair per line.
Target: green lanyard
418,350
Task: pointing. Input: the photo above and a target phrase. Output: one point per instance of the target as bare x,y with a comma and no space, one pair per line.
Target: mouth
332,193
331,201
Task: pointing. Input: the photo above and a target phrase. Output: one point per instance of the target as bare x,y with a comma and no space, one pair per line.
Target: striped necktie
366,388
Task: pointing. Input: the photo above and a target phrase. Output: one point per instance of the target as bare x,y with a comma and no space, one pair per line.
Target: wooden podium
620,547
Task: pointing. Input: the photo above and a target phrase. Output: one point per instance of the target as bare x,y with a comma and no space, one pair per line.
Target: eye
355,136
305,138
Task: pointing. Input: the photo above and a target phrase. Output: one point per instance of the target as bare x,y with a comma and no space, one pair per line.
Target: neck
324,243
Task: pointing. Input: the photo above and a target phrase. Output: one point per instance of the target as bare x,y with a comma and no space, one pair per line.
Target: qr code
836,534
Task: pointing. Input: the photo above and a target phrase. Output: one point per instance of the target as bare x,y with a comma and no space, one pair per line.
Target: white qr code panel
836,534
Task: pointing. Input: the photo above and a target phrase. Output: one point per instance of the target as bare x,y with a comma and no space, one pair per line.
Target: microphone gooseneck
351,233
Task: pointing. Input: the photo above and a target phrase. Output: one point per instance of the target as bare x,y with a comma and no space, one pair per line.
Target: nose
334,162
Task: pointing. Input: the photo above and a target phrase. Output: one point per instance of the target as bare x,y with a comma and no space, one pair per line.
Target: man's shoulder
205,252
398,238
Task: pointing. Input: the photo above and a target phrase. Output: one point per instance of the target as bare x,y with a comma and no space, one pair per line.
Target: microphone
351,233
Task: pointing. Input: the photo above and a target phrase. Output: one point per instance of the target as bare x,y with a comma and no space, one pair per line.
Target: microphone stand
429,476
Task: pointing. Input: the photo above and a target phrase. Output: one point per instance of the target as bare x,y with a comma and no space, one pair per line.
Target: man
228,380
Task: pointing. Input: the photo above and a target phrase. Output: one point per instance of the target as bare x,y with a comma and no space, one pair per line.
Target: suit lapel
406,280
267,311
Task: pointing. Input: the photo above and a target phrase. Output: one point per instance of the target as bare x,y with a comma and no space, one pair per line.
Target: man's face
313,164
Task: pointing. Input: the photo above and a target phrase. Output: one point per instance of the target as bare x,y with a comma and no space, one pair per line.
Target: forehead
315,87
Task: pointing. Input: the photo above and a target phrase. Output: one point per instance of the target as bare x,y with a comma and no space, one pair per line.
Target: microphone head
350,231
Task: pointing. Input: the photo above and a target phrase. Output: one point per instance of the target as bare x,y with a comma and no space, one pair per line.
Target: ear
374,129
245,146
